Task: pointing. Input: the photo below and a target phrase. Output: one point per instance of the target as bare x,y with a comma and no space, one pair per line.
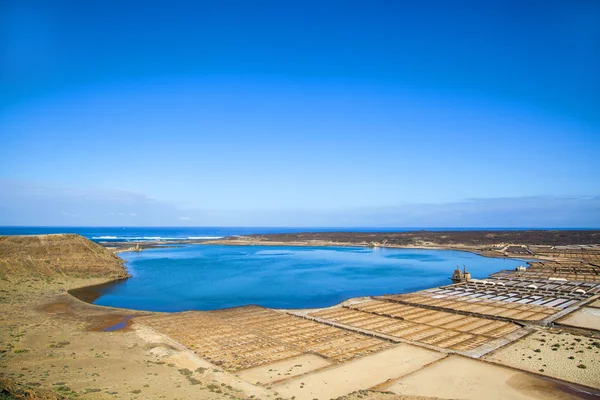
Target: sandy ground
457,377
359,374
560,355
586,317
284,369
376,395
595,304
49,340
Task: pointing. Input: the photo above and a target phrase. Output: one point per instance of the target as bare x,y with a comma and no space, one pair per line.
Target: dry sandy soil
586,317
50,340
288,368
457,377
358,374
595,304
560,355
377,395
56,257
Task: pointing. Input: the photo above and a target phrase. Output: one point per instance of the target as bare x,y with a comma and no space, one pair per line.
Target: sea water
140,234
207,277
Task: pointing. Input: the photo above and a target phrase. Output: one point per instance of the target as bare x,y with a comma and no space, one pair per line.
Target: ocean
108,234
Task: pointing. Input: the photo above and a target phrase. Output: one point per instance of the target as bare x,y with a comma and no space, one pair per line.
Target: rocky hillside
56,256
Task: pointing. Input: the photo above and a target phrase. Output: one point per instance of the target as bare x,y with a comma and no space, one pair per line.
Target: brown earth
54,346
442,238
55,257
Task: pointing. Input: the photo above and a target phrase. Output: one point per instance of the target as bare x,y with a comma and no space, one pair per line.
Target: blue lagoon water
207,277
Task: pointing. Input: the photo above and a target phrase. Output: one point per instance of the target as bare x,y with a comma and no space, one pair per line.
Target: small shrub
193,381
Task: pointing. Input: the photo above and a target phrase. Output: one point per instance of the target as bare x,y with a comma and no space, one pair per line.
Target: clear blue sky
346,113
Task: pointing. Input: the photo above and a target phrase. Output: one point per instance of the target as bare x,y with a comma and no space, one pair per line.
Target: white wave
155,238
164,238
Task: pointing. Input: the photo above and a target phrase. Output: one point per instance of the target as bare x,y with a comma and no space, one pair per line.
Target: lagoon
208,277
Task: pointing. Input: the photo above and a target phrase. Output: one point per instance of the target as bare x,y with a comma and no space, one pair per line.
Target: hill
54,256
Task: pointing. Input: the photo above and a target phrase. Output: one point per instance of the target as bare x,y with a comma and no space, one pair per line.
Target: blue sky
300,113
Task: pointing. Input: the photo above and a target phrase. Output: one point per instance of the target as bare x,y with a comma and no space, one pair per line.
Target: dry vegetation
50,257
448,238
557,354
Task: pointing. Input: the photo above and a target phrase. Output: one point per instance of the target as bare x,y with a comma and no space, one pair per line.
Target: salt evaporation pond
207,277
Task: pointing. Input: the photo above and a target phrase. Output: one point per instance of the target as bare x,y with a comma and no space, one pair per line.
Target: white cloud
23,203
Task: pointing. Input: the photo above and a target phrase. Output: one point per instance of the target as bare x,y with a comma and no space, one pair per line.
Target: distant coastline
501,244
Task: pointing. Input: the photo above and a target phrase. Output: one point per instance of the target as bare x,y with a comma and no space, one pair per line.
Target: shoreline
253,242
92,292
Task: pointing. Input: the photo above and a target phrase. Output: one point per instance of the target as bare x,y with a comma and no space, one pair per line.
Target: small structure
461,276
557,279
534,287
519,270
